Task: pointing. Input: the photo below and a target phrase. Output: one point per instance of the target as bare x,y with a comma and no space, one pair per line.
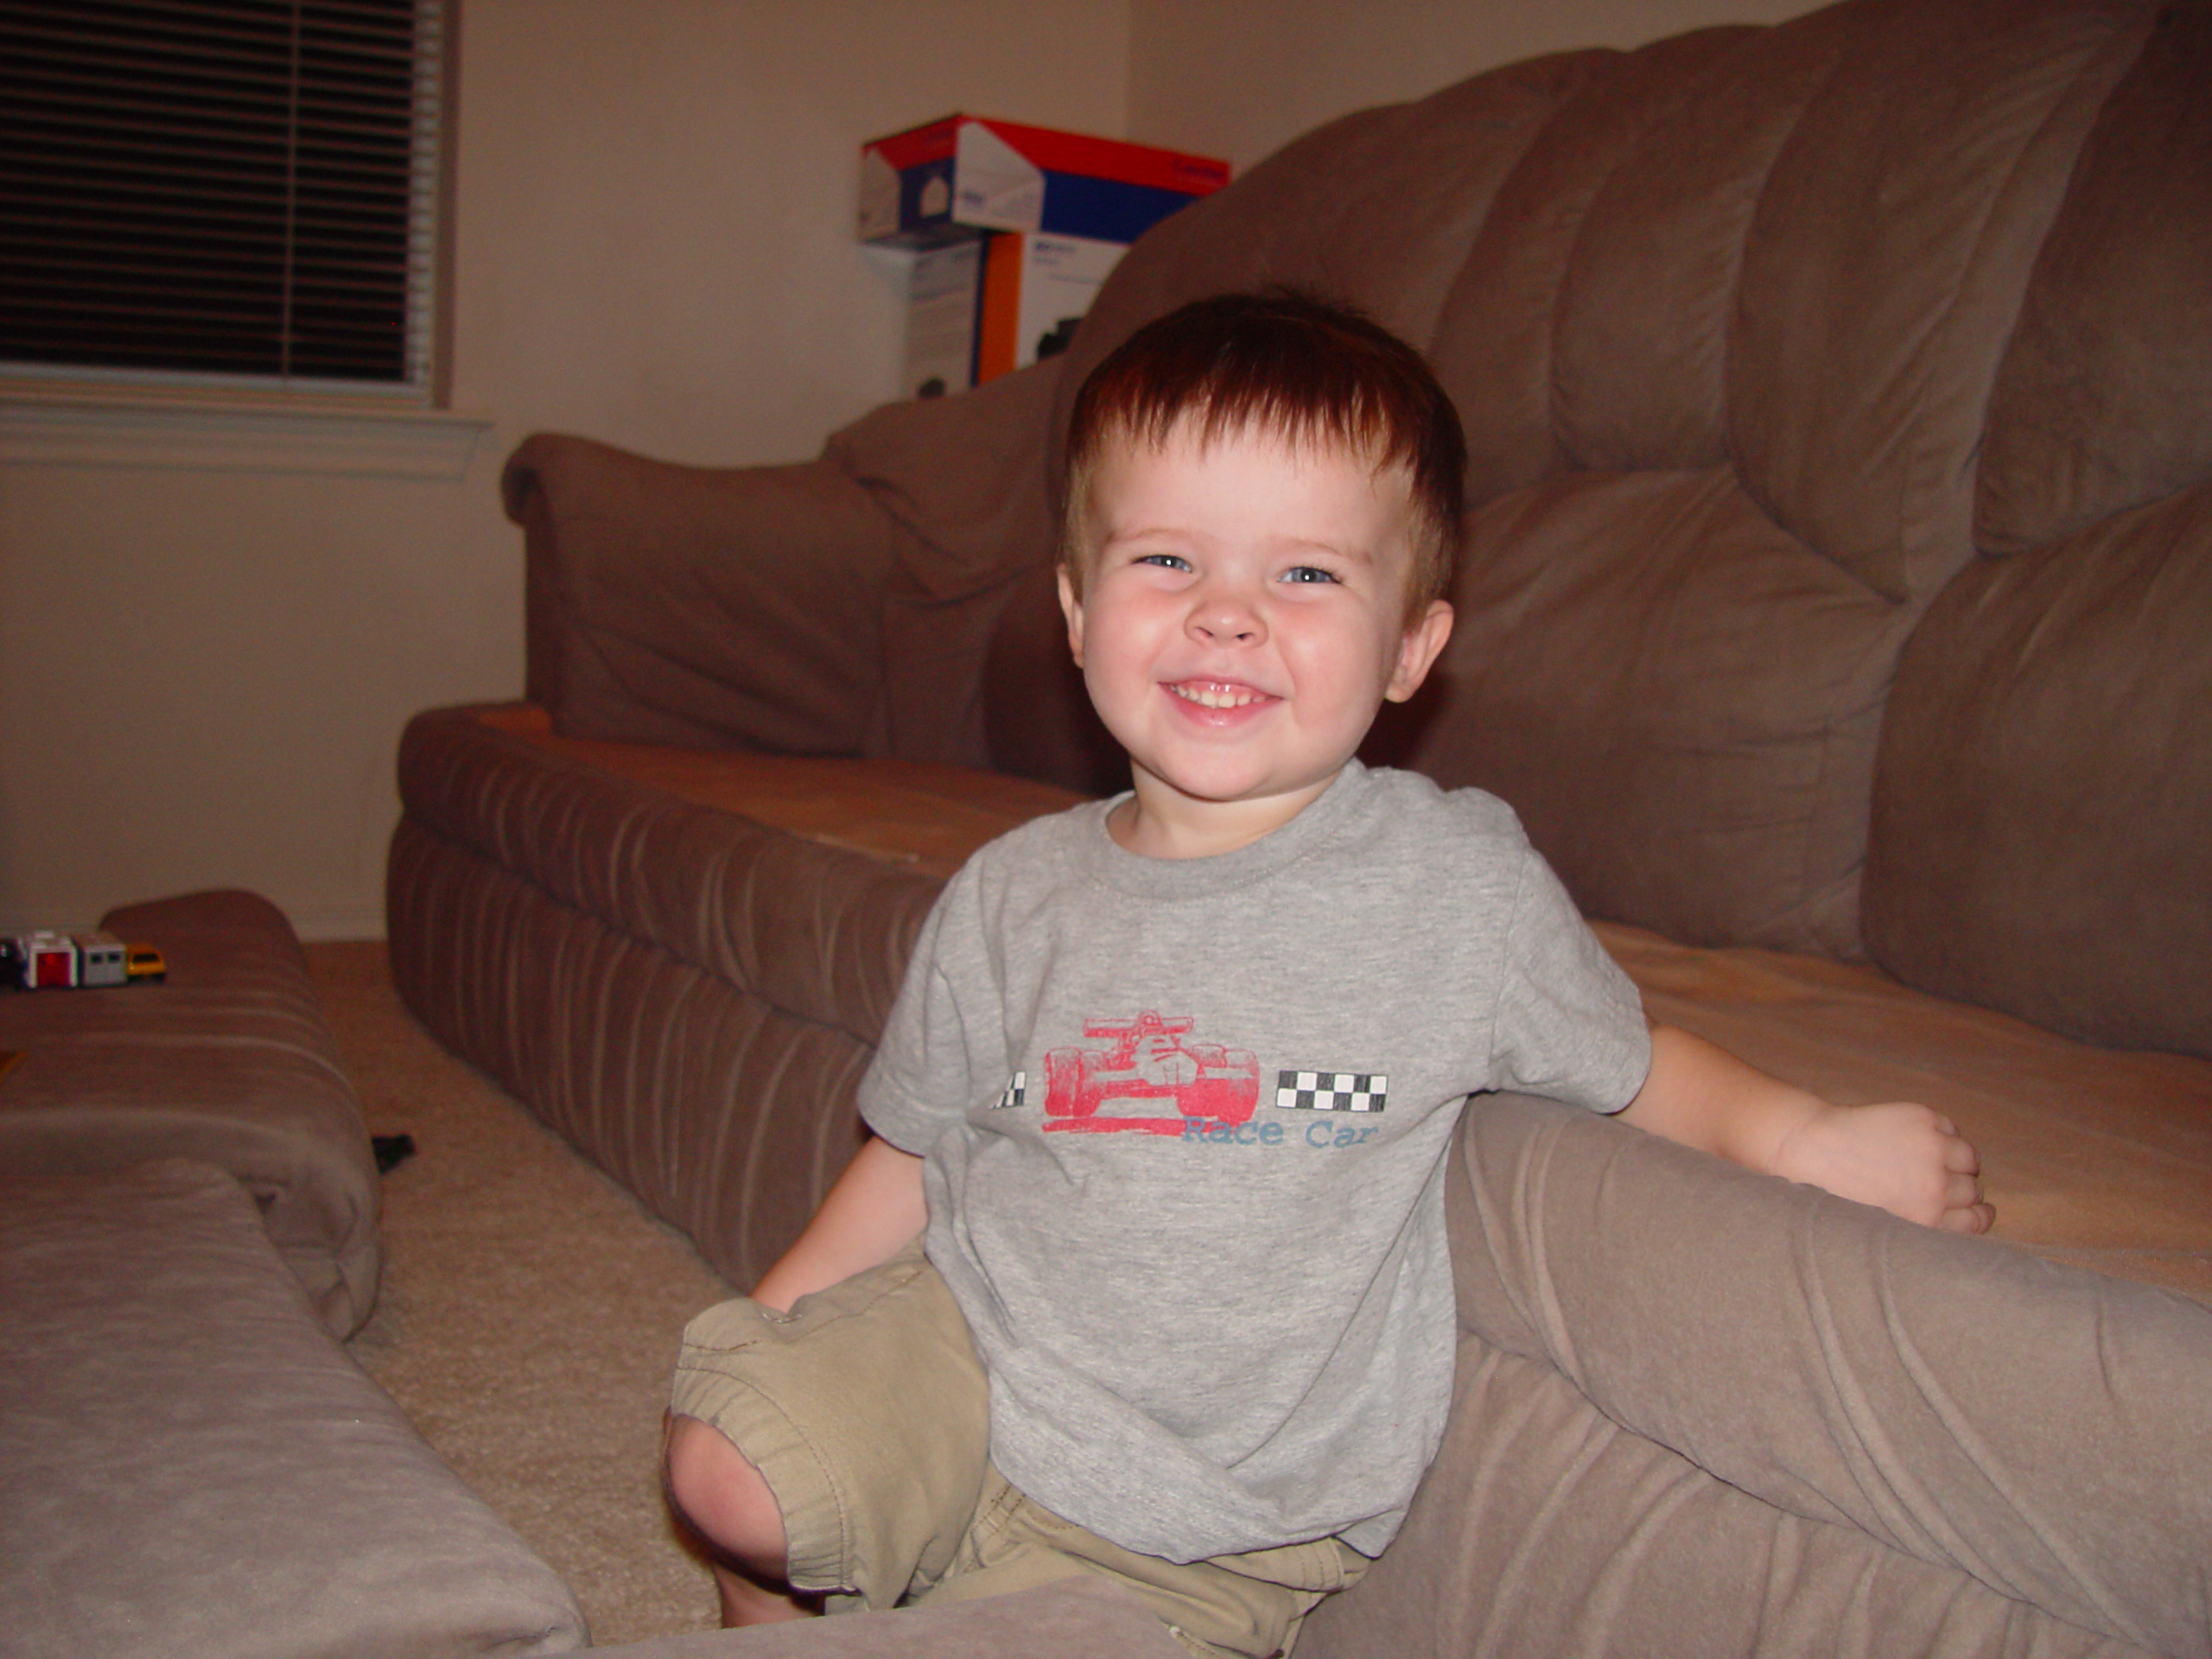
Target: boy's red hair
1311,372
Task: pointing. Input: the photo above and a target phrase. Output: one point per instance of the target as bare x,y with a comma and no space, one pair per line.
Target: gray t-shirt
1186,1124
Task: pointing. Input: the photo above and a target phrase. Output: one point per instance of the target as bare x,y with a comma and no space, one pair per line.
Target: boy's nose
1225,618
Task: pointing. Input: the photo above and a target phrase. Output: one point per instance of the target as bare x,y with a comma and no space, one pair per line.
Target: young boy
1167,1098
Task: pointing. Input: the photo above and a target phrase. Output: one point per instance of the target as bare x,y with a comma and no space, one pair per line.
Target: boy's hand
1904,1158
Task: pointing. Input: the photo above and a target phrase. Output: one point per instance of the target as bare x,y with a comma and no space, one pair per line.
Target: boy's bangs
1297,402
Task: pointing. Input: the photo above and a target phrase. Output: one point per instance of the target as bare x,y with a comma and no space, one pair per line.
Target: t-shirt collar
1315,827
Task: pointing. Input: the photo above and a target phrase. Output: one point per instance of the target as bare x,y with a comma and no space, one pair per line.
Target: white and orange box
1037,286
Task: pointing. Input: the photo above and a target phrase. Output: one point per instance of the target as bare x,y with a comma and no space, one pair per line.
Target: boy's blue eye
1167,561
1307,573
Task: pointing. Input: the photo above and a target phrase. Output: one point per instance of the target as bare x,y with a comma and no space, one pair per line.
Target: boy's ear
1418,650
1071,607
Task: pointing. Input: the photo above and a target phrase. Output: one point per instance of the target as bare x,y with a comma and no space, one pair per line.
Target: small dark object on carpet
392,1151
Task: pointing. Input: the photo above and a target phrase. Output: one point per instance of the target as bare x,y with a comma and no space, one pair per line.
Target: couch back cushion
2043,833
1716,685
961,481
1726,340
2042,837
2101,402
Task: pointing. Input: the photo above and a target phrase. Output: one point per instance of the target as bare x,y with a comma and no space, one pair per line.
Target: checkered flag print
1330,1092
1016,1091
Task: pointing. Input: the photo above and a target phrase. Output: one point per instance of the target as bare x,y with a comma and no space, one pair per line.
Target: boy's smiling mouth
1219,694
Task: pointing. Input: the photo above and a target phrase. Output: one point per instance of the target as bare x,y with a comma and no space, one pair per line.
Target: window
227,193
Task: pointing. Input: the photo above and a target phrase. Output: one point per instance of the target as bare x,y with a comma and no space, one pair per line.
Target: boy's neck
1158,821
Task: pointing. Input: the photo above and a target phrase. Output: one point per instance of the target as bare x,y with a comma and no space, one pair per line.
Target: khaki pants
867,1412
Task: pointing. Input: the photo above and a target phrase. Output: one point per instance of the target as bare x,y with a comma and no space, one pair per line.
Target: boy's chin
1200,795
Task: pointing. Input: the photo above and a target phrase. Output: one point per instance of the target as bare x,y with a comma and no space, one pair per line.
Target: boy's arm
1904,1158
874,1211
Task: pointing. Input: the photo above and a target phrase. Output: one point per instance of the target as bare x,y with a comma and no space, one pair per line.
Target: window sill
364,439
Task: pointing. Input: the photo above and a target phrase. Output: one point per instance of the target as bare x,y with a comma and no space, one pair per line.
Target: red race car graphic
1149,1080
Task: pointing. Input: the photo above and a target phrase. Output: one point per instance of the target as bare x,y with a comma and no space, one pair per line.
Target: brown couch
190,1464
1838,614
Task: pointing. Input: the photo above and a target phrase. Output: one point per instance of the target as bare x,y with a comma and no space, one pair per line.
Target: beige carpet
529,1314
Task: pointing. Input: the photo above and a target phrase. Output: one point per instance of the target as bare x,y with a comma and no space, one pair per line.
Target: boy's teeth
1216,696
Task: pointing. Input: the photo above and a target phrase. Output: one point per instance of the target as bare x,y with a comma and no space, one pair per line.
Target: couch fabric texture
195,1467
1837,614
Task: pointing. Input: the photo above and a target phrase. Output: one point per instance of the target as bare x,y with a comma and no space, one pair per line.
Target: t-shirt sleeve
1570,1022
921,1077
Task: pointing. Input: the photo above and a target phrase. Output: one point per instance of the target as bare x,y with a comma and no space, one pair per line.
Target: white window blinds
244,191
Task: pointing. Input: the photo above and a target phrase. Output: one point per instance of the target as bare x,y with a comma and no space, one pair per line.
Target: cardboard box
978,309
1036,290
963,173
943,288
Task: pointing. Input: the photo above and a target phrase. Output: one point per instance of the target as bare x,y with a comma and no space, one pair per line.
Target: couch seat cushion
195,1467
2097,1156
918,813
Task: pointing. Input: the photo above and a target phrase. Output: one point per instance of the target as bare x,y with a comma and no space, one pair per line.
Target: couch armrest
708,607
2040,1428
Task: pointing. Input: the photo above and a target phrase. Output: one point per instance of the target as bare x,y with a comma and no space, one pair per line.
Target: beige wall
205,662
207,656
